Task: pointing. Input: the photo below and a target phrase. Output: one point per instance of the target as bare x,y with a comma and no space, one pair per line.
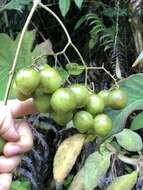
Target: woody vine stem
37,3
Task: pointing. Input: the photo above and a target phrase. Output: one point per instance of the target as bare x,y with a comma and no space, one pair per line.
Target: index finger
21,108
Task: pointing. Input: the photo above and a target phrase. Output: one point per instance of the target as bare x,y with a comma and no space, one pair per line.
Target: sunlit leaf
137,123
64,6
129,140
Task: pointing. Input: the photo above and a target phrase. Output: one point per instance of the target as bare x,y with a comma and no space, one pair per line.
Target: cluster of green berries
73,103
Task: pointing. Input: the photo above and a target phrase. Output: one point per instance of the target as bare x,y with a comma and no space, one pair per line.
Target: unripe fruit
43,66
83,121
27,80
95,104
50,80
102,125
117,99
63,100
42,102
81,94
18,94
104,94
62,119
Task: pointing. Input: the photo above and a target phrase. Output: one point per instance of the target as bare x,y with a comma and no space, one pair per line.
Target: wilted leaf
133,85
139,60
42,50
125,182
20,185
129,140
15,5
66,156
95,169
74,68
64,6
137,123
78,3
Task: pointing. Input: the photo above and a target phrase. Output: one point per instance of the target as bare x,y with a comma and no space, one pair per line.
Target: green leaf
80,22
95,169
78,3
64,6
137,123
20,185
74,68
15,5
7,52
129,140
64,74
126,182
133,85
78,181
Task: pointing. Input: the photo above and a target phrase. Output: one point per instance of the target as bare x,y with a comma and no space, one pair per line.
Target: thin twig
106,71
35,4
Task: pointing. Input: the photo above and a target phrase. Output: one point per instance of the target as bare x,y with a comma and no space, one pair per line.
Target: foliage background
105,31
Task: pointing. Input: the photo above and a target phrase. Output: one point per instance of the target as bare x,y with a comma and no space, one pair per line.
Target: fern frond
99,33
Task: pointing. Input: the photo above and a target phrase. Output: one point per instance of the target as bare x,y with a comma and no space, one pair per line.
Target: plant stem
66,32
57,18
35,4
106,71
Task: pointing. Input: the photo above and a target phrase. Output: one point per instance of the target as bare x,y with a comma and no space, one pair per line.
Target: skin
17,134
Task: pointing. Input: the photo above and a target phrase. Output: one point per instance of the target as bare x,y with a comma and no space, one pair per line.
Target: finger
7,125
19,108
8,164
25,142
5,181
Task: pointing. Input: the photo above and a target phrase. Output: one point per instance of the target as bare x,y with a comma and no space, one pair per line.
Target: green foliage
15,5
74,68
137,122
26,57
133,86
129,140
64,6
78,3
93,171
20,185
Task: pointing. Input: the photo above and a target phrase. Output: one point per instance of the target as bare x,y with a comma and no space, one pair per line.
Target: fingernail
14,149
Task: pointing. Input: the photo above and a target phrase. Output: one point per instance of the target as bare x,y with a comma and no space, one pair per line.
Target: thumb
7,125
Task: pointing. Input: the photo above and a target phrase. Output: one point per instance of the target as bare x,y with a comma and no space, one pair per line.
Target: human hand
18,136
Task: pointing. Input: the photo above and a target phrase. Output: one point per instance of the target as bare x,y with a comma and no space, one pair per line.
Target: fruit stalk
35,4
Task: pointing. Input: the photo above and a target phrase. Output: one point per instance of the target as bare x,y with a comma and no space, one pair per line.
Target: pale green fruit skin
42,102
63,100
83,121
27,80
117,99
125,182
50,80
104,94
81,94
95,104
44,66
102,125
62,119
18,94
